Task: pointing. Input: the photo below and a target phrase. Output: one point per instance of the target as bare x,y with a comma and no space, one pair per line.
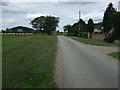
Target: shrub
100,32
96,32
84,34
71,34
109,39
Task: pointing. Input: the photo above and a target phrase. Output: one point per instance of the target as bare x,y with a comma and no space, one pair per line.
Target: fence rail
16,33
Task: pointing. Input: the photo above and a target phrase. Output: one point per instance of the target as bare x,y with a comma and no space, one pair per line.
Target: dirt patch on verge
58,69
104,49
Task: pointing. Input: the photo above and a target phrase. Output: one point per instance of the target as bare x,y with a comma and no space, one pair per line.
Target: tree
67,28
90,27
38,23
106,20
46,23
74,29
82,26
75,26
50,24
115,20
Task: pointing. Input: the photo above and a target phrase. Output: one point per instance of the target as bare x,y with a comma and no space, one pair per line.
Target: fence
16,33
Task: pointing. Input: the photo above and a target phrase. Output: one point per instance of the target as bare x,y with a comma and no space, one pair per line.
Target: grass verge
28,61
115,55
94,42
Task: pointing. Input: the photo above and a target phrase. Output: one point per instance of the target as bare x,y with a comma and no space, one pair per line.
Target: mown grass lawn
115,55
94,42
28,61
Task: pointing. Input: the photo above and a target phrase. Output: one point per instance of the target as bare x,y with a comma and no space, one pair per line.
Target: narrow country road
83,67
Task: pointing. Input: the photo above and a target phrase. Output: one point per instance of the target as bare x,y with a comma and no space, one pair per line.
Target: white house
97,30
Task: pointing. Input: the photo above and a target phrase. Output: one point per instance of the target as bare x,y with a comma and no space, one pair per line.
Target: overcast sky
15,13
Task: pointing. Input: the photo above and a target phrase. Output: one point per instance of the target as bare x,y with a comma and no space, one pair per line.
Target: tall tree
46,23
50,24
106,19
90,27
82,26
115,19
38,23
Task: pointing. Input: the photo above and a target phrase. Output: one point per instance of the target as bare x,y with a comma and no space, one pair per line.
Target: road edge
58,69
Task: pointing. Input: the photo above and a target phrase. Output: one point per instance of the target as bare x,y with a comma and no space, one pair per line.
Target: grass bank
115,55
94,42
28,61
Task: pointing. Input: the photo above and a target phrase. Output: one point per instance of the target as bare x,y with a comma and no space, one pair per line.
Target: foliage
46,23
83,34
71,34
67,28
38,22
106,20
109,39
90,26
74,29
82,26
50,24
115,19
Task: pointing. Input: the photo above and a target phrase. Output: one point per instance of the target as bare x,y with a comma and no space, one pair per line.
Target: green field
94,42
115,55
28,61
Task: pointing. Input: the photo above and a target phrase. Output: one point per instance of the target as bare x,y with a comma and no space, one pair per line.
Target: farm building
20,29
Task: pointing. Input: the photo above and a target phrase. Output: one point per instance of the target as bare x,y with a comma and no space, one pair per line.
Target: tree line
110,24
84,28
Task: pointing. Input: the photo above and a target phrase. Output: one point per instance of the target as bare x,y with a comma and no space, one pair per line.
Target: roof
22,27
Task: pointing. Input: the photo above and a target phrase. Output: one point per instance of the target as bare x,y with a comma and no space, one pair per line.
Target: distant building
20,29
97,30
98,27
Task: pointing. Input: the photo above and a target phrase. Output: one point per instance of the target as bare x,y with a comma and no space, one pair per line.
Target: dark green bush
83,34
109,39
71,34
96,32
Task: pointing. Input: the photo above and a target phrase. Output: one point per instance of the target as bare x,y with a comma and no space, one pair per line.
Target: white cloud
32,16
60,0
21,13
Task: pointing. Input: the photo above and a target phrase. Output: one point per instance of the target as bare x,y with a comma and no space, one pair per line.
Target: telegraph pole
79,23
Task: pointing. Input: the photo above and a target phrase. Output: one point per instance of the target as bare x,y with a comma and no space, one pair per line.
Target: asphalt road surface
84,67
